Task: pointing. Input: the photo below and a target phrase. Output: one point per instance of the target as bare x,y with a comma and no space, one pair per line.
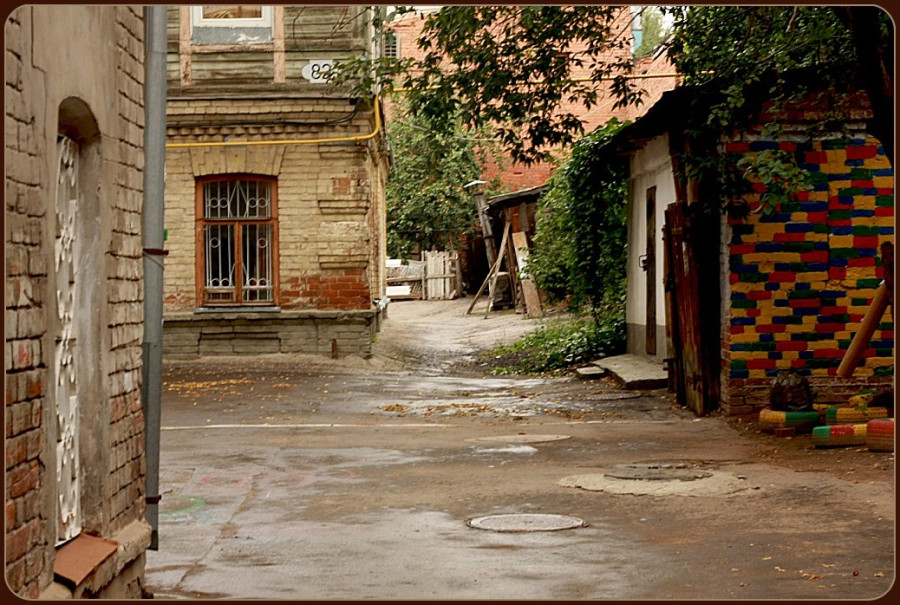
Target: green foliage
652,31
560,345
579,247
510,67
743,56
427,205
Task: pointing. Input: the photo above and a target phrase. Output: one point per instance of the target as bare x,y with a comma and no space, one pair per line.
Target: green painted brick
861,174
838,215
845,252
821,228
799,246
844,343
850,191
865,230
857,302
738,364
835,143
754,278
884,352
818,178
884,371
884,201
743,304
886,325
804,294
817,364
868,282
759,346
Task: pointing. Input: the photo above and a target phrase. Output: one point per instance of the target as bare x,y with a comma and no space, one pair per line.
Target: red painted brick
743,248
804,303
833,310
770,328
865,261
777,277
760,364
816,157
754,312
759,295
816,256
883,211
737,147
829,328
789,237
828,354
865,184
861,152
837,272
816,217
885,191
867,241
791,345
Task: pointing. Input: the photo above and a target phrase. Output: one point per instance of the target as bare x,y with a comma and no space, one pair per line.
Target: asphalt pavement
406,477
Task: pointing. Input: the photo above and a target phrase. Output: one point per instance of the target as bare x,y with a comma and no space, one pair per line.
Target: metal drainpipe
152,228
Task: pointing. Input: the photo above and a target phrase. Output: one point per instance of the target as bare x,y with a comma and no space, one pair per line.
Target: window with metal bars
237,239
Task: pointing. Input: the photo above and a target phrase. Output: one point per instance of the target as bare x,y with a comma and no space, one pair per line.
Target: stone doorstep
635,371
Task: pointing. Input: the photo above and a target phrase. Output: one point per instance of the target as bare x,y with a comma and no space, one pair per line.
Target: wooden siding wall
309,32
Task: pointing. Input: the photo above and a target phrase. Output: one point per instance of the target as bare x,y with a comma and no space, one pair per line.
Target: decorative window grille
391,48
238,232
68,485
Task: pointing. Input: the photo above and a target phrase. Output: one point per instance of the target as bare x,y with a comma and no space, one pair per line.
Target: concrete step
635,371
591,371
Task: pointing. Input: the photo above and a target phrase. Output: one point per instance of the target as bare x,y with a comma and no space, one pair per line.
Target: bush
560,345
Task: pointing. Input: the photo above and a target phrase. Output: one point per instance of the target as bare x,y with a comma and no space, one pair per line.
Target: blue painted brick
883,172
797,228
843,230
743,321
885,231
862,213
740,374
813,206
772,287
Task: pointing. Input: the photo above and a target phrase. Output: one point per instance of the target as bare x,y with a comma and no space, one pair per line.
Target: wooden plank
494,269
533,307
504,242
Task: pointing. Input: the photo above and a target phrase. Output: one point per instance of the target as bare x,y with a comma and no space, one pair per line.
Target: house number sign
317,70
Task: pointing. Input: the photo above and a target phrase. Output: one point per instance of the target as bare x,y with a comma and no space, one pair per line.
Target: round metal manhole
612,396
525,522
657,471
518,438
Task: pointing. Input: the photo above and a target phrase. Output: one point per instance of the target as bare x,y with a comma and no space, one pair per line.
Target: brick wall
800,280
47,74
329,202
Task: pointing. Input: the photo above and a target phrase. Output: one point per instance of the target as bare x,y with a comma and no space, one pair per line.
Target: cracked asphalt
300,478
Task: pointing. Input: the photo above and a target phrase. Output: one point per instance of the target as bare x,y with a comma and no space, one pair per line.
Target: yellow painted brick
744,338
883,182
841,241
879,362
815,345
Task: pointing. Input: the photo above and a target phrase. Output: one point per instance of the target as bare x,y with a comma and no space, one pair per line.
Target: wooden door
682,291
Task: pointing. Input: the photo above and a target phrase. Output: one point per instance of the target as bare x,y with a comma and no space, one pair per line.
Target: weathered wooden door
682,291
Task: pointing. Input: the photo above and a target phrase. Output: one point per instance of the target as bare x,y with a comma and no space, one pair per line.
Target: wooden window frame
202,222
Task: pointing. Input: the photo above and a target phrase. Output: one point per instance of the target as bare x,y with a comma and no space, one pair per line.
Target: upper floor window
391,48
237,241
231,24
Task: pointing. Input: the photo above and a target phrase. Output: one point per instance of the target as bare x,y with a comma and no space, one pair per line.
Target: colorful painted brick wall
801,279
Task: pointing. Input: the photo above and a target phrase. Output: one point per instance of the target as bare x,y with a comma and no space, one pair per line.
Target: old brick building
74,440
274,184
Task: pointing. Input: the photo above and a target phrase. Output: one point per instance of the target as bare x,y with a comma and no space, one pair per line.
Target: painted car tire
880,435
855,415
769,420
839,435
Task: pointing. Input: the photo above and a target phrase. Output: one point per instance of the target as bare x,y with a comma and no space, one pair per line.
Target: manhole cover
612,396
657,472
518,438
522,522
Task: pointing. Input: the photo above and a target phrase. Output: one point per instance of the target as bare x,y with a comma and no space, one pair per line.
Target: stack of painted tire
880,435
769,420
854,415
839,435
